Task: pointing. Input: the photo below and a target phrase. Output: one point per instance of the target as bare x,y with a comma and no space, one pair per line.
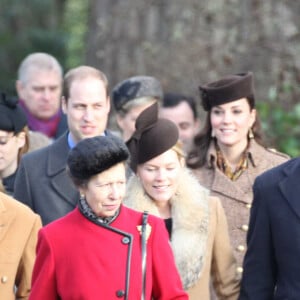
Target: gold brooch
148,230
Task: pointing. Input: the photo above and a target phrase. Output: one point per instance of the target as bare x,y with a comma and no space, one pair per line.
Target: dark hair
197,156
173,99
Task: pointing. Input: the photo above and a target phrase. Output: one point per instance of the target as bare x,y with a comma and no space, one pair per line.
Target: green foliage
75,23
26,27
281,126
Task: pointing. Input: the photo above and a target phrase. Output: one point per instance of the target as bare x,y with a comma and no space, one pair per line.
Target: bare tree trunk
185,43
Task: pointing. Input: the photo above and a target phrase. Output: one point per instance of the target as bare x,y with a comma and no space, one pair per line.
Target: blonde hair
178,148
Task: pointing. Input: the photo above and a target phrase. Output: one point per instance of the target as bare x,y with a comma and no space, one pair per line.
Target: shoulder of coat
277,153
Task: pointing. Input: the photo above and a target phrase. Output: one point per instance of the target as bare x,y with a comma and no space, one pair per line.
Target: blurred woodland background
181,42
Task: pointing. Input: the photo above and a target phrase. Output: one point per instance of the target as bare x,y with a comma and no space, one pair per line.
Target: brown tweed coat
200,239
236,196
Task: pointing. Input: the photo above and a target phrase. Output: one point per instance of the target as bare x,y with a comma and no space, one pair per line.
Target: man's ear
19,89
63,104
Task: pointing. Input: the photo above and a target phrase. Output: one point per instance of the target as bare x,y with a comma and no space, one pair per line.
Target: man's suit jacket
272,261
18,238
43,184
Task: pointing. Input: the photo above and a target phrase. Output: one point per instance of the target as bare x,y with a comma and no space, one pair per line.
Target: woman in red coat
101,250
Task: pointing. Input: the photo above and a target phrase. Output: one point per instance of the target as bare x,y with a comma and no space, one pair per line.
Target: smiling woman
229,152
195,221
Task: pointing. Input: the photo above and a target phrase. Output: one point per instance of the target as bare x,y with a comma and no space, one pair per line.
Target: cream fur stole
190,214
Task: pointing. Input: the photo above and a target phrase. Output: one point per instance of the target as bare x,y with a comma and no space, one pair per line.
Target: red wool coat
77,259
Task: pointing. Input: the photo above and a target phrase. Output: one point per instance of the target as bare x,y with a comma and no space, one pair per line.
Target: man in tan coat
18,236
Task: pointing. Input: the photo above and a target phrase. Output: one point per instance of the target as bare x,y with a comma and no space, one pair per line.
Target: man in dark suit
42,181
272,261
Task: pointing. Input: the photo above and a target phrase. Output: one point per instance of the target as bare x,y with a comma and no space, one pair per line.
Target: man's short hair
41,61
173,99
80,73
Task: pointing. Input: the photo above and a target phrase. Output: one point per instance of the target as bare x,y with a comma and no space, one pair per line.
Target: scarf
87,212
226,169
47,127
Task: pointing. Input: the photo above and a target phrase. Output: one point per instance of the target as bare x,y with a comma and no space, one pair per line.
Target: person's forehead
4,133
182,111
114,173
87,84
34,73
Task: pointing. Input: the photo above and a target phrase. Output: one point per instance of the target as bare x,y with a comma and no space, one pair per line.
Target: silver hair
41,61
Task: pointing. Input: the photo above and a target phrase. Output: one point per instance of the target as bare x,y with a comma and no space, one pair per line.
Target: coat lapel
290,186
224,186
56,170
6,217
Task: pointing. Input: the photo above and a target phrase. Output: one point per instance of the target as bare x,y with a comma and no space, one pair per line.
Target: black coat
272,261
43,184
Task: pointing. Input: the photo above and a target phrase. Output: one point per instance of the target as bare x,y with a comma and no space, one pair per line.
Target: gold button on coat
245,227
241,248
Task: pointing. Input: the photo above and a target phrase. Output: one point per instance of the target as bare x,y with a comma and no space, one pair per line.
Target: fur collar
190,215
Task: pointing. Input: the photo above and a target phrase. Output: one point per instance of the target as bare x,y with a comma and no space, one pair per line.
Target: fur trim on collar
190,215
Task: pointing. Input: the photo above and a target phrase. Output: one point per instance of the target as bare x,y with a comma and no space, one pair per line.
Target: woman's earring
82,197
213,133
250,134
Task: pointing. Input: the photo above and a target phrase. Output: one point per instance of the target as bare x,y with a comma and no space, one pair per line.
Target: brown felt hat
153,136
227,89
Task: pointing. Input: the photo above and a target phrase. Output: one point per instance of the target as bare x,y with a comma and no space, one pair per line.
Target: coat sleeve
258,281
24,273
43,277
166,280
225,280
22,191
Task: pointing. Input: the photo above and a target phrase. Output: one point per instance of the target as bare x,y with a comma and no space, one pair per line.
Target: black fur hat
92,156
12,117
227,89
153,136
135,87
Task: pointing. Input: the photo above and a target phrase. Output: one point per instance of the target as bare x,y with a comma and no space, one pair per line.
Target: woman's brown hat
153,136
227,89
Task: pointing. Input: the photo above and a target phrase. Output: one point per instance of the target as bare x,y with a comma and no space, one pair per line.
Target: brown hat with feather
153,136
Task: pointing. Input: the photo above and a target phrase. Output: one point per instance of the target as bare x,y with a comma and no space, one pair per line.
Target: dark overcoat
78,259
43,184
272,261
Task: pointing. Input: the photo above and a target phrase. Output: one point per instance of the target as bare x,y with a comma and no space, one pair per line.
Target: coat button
245,227
120,293
240,248
4,279
125,240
